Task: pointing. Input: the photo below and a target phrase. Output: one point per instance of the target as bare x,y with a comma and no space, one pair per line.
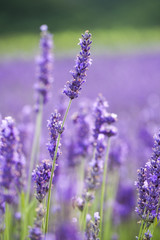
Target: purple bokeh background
125,81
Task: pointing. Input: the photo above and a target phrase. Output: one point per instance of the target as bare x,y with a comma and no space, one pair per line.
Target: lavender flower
92,228
55,127
103,119
79,73
35,233
94,176
148,235
45,66
13,161
148,186
41,175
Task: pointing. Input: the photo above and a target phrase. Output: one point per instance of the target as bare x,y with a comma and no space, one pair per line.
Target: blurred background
116,25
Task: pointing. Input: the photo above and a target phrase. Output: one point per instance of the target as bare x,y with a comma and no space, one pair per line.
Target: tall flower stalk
42,87
12,178
148,186
72,90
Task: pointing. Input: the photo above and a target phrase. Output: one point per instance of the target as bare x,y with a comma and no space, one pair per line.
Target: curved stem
53,167
103,187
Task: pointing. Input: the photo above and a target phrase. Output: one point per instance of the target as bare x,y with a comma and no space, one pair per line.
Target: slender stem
83,217
7,223
53,167
111,195
35,147
103,187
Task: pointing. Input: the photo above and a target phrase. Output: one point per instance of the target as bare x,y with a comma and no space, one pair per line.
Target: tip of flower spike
96,216
44,27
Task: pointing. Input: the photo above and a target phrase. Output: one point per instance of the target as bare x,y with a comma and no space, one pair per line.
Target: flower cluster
102,127
92,228
55,127
41,176
94,177
82,62
12,159
45,67
148,186
103,119
148,235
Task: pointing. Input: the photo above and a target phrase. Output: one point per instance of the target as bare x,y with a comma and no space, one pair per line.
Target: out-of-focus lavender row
124,80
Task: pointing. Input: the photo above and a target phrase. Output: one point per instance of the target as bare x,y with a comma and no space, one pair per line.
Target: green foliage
26,16
114,40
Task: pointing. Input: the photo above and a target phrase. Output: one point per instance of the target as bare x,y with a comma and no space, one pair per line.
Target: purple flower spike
41,175
148,235
82,63
92,228
103,119
94,176
45,67
55,127
13,161
148,186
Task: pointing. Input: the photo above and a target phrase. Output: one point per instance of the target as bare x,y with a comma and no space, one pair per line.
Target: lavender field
89,169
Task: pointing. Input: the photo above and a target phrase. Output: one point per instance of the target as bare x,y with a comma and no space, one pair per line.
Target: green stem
35,147
7,223
53,167
83,217
103,188
112,186
24,217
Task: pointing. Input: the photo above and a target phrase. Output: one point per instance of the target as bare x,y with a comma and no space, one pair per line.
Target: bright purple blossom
83,61
41,176
45,67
